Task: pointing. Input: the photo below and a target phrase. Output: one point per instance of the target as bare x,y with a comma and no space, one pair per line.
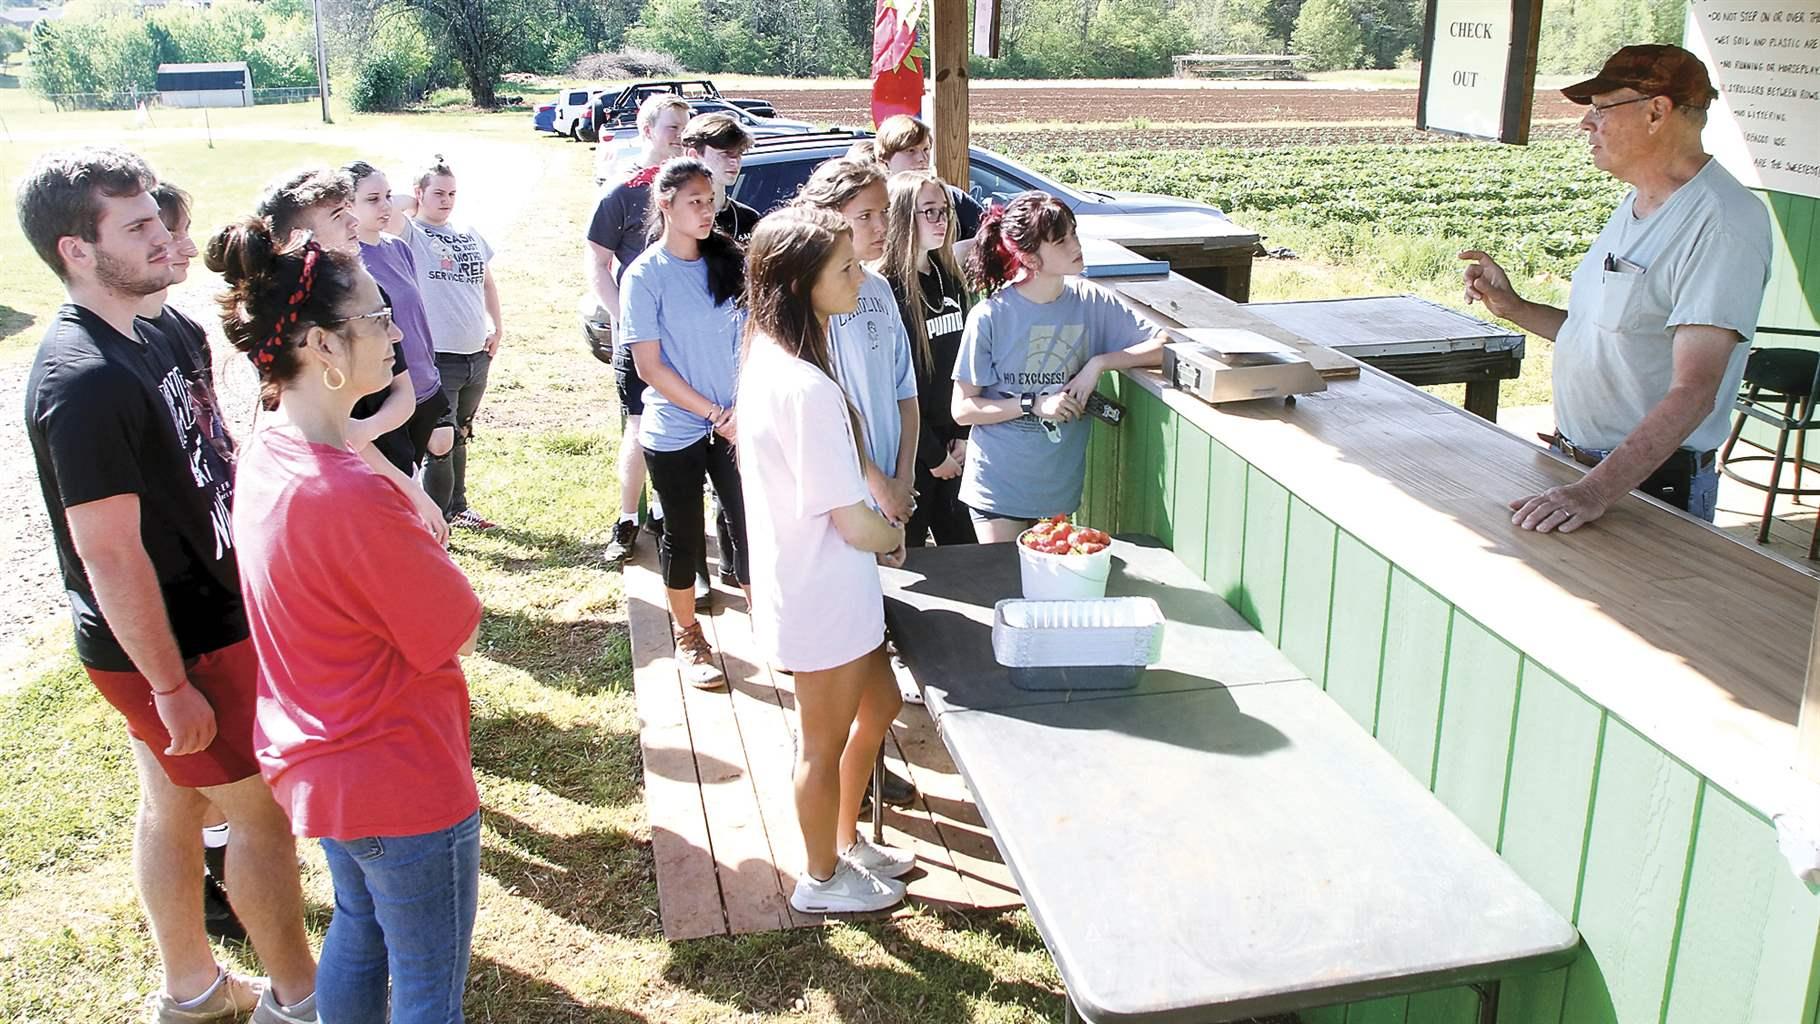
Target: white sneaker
269,1012
852,890
883,861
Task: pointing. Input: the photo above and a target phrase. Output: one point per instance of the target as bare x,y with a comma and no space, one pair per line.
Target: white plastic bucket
1049,577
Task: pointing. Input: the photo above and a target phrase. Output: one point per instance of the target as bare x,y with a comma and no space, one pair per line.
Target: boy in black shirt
138,496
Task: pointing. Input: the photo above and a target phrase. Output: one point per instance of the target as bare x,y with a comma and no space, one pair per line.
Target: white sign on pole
1764,58
1470,63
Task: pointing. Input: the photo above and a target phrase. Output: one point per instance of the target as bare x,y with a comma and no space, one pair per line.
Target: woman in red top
358,617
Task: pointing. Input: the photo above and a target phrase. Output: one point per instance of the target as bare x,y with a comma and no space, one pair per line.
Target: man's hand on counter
1559,509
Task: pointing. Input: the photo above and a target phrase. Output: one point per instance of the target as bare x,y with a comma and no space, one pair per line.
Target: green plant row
1538,207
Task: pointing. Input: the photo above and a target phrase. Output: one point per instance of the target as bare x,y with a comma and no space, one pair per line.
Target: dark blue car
544,120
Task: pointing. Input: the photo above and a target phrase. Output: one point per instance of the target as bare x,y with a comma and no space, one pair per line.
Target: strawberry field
1537,208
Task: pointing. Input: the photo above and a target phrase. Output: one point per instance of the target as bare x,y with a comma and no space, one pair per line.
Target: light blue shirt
1012,347
871,353
666,300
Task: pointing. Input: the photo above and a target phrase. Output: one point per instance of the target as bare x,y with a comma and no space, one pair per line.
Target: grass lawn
568,927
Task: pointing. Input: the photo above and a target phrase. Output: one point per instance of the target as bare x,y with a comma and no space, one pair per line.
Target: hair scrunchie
267,351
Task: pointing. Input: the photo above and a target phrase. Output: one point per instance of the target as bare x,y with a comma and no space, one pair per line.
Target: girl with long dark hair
817,607
679,314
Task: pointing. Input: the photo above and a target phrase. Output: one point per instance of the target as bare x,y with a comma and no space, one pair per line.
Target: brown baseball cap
1653,69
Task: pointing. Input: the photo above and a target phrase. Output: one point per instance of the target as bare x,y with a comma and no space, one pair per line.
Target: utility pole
322,64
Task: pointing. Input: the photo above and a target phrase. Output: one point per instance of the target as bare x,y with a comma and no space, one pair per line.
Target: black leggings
939,512
677,478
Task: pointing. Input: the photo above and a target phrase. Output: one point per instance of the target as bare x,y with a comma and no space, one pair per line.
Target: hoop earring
341,379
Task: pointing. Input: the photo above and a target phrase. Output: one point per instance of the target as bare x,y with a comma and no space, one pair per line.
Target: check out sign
1479,68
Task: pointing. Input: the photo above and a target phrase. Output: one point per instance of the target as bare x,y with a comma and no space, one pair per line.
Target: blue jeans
404,906
1702,490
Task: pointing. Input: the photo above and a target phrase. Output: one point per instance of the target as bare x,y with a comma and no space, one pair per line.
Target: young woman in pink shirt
358,617
815,542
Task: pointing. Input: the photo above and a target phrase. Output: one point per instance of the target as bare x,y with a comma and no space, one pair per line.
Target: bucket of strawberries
1060,560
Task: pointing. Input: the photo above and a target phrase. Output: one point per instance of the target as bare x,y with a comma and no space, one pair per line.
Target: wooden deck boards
718,790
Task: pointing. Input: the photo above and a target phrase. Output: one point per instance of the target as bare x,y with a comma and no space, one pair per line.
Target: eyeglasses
934,214
1597,111
383,314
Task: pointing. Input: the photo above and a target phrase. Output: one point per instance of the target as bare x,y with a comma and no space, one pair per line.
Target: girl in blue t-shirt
678,313
1031,355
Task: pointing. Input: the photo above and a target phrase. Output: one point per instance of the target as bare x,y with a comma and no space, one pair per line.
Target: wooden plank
1138,486
1532,998
765,730
1355,644
1391,1010
1719,631
1457,1005
1748,943
948,805
1193,457
1478,715
1323,1015
1630,890
689,904
948,79
1266,538
1225,558
1409,684
1308,589
1549,793
1176,301
1163,517
743,860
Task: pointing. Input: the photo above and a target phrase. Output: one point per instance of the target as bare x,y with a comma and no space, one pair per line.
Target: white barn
205,85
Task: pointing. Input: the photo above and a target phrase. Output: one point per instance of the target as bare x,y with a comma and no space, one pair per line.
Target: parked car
619,109
544,118
618,147
575,112
776,168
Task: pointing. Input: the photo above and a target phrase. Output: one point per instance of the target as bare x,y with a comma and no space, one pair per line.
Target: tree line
392,52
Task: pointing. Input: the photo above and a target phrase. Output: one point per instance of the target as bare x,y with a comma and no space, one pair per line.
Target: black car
619,109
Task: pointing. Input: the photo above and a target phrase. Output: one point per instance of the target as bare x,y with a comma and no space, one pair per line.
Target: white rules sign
1764,58
1479,68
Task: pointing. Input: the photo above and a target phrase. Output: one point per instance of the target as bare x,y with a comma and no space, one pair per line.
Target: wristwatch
1027,402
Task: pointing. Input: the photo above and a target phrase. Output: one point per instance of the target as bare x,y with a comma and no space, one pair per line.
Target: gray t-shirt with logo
451,275
1701,258
1013,346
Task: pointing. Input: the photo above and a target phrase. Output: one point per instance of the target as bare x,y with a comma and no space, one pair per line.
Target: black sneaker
898,792
729,576
218,917
619,548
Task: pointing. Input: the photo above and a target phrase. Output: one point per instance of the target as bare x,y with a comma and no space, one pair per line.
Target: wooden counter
1613,711
1693,638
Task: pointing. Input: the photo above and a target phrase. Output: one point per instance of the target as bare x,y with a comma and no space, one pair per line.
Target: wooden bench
1278,66
1221,841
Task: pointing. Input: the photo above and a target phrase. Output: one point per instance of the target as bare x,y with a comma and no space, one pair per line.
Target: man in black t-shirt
137,479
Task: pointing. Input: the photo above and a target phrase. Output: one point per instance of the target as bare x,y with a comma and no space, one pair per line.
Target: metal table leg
878,796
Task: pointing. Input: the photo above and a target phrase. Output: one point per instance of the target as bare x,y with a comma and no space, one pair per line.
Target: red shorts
229,678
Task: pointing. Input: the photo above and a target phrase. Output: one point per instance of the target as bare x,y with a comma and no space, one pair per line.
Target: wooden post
1807,732
948,61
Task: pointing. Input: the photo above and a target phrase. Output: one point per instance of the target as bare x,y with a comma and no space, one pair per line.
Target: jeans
464,381
677,478
404,906
1702,488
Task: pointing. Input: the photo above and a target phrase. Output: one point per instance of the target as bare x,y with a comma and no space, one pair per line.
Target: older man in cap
1662,308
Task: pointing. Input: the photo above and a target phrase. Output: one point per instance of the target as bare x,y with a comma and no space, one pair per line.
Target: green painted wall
1688,911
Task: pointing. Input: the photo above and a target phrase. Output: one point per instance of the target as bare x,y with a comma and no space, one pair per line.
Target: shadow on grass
601,879
511,549
497,992
583,656
581,763
769,972
13,321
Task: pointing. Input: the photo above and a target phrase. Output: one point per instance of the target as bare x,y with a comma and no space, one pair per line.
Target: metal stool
1781,388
